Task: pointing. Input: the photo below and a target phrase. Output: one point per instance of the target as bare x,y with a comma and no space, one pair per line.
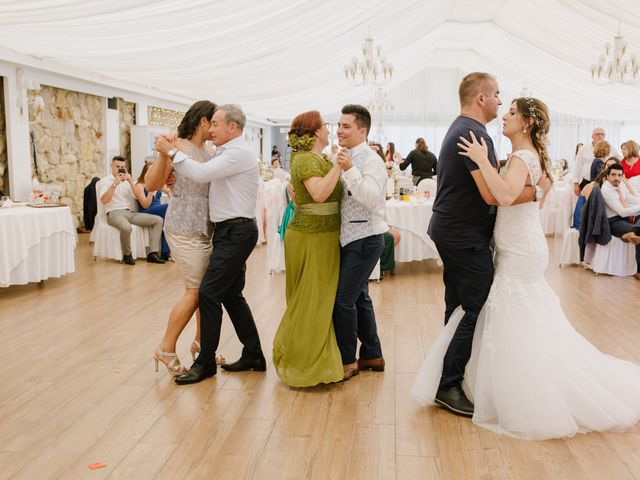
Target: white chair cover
615,258
428,185
106,239
635,183
557,212
570,254
275,200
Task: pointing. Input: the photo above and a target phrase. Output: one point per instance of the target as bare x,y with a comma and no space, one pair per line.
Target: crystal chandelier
616,64
380,103
372,69
378,106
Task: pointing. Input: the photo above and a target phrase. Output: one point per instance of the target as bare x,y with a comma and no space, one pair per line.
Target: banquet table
557,212
411,219
35,244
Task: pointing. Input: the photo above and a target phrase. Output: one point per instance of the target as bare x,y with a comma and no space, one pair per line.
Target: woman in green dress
305,352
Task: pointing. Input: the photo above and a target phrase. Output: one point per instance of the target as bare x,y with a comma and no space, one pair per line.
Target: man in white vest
362,230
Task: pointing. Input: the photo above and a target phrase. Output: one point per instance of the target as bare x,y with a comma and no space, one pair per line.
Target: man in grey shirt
233,175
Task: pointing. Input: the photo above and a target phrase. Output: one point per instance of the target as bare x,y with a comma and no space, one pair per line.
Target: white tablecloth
411,219
557,212
35,244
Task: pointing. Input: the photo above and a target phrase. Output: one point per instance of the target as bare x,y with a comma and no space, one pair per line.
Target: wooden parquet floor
77,386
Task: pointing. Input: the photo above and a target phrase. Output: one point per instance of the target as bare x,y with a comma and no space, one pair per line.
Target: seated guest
586,191
391,155
620,205
564,167
275,153
149,202
278,171
601,151
423,162
333,153
630,163
116,193
388,259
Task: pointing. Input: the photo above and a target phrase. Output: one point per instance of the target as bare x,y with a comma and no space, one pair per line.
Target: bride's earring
524,130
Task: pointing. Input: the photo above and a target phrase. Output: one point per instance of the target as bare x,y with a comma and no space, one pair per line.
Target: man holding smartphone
116,193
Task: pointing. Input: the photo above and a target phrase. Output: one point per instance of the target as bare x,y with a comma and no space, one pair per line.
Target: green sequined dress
305,352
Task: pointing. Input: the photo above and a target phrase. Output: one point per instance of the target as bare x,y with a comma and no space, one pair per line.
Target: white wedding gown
531,374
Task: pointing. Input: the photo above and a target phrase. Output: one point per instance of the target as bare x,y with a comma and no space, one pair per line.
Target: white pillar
112,133
142,114
266,144
18,150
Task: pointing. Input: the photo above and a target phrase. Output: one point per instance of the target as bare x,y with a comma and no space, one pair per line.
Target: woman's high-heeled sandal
173,363
195,348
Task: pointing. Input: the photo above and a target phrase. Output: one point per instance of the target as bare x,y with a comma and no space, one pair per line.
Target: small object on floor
97,465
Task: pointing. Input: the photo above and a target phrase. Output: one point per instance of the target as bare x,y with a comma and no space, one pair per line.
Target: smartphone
122,170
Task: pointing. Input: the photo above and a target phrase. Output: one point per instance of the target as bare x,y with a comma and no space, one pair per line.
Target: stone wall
127,111
4,172
68,138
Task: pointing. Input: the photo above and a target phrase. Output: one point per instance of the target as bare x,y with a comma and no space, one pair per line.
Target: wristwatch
539,193
172,153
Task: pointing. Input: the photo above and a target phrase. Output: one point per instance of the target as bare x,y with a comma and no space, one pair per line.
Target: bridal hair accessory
302,143
532,110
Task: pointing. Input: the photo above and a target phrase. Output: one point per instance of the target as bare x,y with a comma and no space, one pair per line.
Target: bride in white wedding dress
531,374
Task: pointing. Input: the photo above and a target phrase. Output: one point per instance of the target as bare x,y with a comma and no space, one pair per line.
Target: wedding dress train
531,374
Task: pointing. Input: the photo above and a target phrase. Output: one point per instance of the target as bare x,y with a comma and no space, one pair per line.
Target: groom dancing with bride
530,374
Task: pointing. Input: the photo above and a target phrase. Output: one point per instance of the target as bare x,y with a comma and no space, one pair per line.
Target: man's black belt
231,221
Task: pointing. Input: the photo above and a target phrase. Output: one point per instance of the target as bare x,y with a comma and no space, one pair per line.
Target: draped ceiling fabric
280,57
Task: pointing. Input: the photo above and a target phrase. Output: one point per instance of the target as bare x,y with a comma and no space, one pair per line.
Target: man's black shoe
454,400
153,257
243,364
128,259
196,373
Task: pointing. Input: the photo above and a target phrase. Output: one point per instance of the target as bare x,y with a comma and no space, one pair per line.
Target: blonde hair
601,149
633,149
473,84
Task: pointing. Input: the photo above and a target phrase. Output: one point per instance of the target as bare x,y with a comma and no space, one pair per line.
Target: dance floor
78,387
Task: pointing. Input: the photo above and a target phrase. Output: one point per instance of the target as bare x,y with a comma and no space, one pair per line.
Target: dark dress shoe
128,259
375,364
244,364
196,373
455,400
153,257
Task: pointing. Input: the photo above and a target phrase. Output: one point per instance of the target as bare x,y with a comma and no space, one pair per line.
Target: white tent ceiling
280,57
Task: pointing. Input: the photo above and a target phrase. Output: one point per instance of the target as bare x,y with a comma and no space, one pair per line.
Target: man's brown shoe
350,370
375,364
630,237
637,276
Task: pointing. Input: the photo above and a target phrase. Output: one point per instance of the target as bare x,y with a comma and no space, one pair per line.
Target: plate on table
45,205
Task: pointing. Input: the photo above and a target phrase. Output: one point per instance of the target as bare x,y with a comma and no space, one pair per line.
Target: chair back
428,185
